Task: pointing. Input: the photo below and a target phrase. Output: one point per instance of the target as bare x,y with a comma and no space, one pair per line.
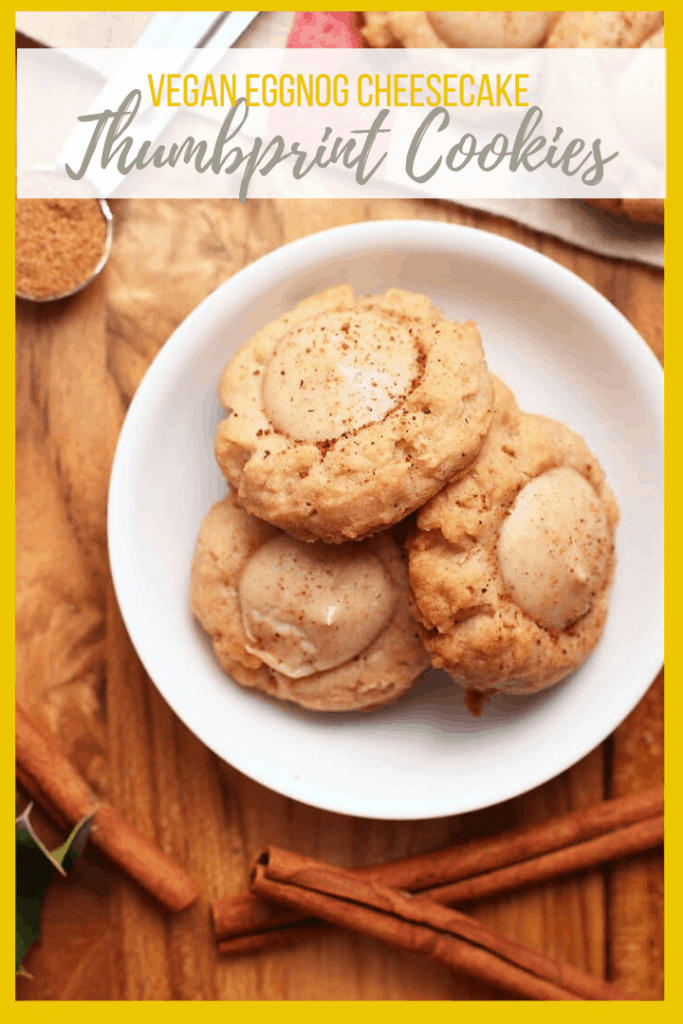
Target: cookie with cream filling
326,627
505,29
604,29
511,565
655,41
346,414
443,29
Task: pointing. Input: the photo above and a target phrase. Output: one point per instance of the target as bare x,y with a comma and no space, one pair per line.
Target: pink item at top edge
323,29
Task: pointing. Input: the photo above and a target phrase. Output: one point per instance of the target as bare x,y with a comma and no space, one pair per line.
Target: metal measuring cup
48,182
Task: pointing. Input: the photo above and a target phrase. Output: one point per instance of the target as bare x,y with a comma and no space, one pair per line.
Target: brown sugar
59,243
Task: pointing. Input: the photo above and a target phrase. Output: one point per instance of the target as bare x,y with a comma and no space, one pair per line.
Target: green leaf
35,866
66,855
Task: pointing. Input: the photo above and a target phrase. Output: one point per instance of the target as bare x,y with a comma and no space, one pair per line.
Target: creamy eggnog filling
338,372
308,607
553,548
491,28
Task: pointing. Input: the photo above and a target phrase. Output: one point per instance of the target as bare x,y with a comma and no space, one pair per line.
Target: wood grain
78,365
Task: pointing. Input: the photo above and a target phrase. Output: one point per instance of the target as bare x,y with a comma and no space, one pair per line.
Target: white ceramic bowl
566,352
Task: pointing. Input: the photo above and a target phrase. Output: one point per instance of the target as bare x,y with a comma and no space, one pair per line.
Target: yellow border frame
395,1012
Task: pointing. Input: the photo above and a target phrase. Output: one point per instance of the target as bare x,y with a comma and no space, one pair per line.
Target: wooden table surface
79,362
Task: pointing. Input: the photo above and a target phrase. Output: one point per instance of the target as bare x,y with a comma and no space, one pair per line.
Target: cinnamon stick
284,936
444,935
51,780
624,841
434,873
479,855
